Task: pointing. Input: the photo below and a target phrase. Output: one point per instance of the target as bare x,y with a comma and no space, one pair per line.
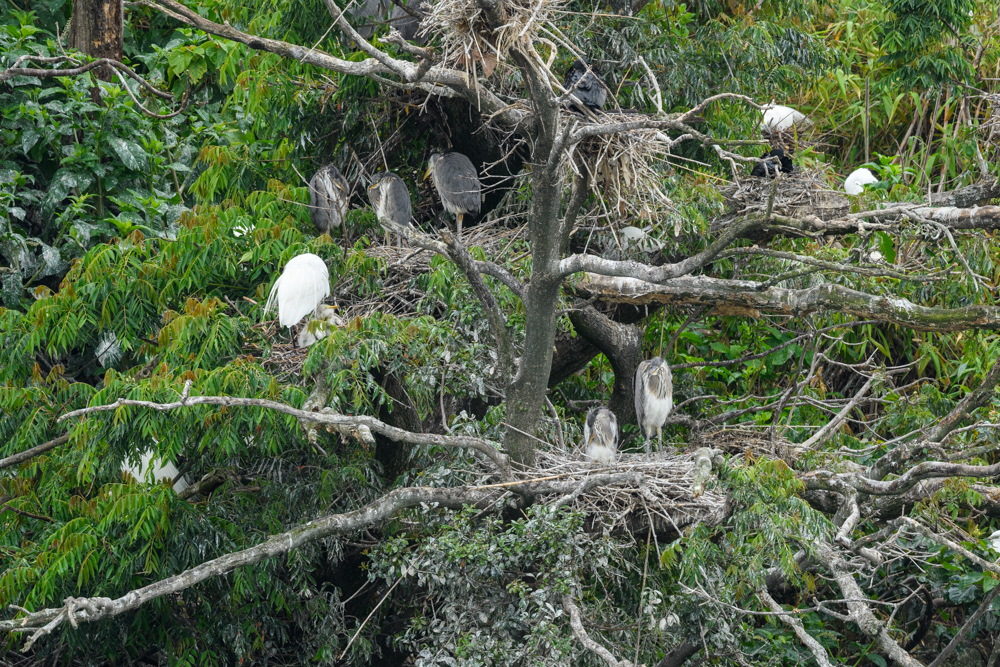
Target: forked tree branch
17,70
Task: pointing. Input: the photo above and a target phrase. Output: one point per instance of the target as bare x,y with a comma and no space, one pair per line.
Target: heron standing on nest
329,196
654,398
300,289
390,198
600,435
457,183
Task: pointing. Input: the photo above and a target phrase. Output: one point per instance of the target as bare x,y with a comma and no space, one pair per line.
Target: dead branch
581,634
819,653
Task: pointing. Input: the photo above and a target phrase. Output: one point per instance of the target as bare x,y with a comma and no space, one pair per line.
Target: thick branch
859,610
747,298
581,634
20,457
822,657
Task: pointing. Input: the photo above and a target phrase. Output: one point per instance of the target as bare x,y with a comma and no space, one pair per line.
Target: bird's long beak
427,174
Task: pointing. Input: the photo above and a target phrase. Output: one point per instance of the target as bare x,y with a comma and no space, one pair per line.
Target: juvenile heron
654,398
316,329
390,198
856,182
775,160
457,183
600,435
329,196
585,85
300,289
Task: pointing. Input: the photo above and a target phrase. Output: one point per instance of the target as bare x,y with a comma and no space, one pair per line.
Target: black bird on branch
582,82
775,160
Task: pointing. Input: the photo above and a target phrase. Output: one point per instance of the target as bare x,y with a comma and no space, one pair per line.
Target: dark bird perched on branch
328,199
583,83
457,183
654,398
390,198
600,435
774,161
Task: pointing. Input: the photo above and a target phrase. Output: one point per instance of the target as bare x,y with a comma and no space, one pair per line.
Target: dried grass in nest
799,194
466,38
285,361
664,499
623,170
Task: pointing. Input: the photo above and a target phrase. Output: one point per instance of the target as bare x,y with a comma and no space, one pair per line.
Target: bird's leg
659,435
458,232
645,444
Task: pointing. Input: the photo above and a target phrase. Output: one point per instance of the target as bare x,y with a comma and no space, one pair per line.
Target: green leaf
131,153
887,247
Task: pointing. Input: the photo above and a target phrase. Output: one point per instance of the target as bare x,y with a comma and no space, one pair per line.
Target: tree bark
97,29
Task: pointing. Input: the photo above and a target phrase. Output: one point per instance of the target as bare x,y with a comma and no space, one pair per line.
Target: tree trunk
97,30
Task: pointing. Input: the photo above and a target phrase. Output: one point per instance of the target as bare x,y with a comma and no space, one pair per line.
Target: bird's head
579,65
432,162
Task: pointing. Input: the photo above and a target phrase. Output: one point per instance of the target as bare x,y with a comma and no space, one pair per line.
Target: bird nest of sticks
625,169
798,194
658,493
467,40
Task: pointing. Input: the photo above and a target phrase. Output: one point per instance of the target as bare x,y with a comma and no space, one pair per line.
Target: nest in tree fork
468,40
660,494
625,169
797,195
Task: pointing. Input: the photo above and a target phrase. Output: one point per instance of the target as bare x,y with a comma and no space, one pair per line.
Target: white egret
856,182
300,289
778,118
164,470
319,326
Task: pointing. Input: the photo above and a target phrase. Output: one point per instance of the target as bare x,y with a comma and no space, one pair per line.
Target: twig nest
798,194
467,40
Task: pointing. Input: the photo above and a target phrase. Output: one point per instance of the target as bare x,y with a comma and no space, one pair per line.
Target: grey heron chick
600,435
457,183
390,198
329,196
654,398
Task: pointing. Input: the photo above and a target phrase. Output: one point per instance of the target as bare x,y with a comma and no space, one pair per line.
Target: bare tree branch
326,417
20,457
581,634
747,298
16,70
819,653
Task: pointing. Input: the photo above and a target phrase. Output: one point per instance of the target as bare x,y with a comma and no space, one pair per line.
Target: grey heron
775,160
300,289
583,83
457,183
329,196
600,435
654,398
390,198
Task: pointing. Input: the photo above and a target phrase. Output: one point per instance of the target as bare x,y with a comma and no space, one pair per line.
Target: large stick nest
625,169
797,195
660,493
468,40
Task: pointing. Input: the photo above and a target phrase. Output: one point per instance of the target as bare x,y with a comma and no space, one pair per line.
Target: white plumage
778,118
319,327
160,472
300,289
994,540
856,182
600,435
654,398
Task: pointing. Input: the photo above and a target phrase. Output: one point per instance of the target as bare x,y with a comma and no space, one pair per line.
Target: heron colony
304,283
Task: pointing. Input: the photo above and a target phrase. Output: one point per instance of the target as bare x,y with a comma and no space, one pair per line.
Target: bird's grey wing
402,209
613,425
468,197
640,396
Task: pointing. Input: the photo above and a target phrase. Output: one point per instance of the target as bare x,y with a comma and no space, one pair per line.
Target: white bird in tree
778,118
654,398
600,435
166,470
856,182
300,289
319,327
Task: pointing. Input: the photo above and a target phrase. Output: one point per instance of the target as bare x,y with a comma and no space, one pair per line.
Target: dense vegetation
139,245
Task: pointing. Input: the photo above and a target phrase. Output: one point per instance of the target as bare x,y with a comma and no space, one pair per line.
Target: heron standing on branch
654,398
600,435
300,289
329,196
390,199
457,183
